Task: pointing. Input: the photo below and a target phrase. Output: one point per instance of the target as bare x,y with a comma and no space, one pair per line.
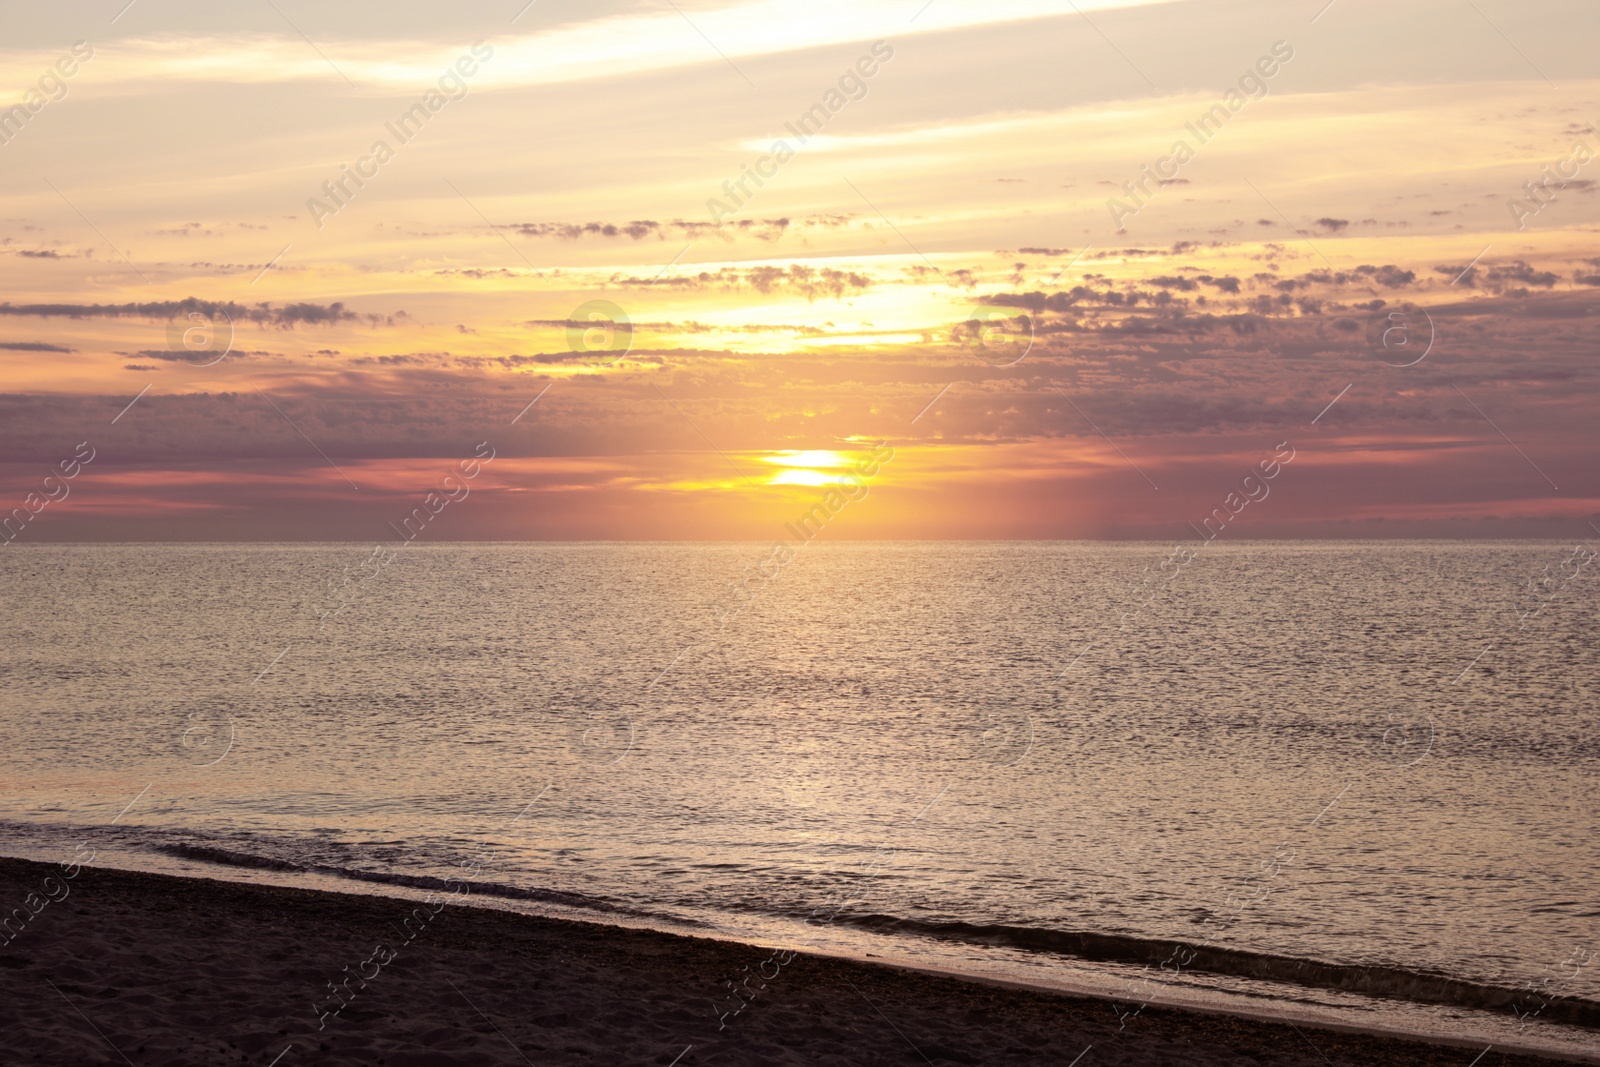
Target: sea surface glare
1038,760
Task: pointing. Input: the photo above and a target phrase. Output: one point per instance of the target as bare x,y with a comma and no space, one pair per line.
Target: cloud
1507,278
32,346
285,316
184,357
809,282
639,229
572,231
608,44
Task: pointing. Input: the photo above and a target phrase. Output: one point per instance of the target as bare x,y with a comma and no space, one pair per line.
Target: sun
812,467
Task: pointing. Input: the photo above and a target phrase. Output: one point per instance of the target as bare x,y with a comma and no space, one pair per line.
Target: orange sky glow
979,246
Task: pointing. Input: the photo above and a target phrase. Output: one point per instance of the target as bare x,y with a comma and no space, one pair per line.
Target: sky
674,270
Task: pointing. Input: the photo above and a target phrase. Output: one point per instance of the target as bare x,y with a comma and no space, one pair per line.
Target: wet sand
149,969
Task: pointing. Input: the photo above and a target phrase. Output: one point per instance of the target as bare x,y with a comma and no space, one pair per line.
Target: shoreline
177,969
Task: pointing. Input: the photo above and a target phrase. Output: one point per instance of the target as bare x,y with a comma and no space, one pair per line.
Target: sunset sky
591,159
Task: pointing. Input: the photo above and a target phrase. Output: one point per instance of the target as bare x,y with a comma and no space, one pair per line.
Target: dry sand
148,969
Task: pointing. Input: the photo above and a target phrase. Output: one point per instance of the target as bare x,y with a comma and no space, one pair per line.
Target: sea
1350,783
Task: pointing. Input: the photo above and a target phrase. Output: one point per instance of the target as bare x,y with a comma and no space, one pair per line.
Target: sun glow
815,457
803,467
802,477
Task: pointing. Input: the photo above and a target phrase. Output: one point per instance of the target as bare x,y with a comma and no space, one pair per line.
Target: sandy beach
148,969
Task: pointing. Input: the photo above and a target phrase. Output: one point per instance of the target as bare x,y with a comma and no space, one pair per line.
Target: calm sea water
964,754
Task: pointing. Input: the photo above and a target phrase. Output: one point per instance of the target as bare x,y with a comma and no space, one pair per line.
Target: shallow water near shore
1044,762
